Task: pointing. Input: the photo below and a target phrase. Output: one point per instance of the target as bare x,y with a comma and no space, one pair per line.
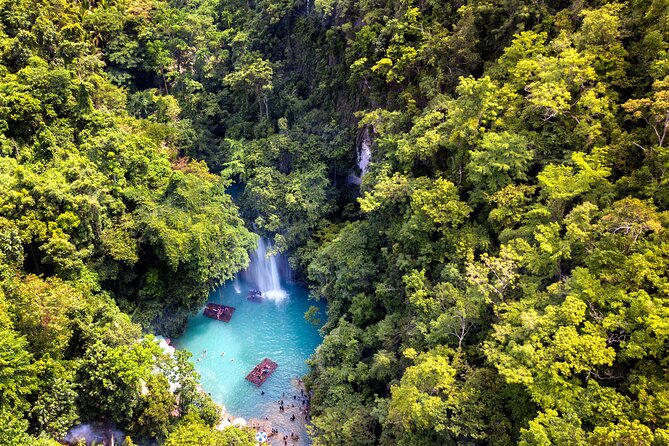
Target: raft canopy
219,312
262,371
254,296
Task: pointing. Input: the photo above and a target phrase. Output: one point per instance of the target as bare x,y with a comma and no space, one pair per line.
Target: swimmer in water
232,360
222,354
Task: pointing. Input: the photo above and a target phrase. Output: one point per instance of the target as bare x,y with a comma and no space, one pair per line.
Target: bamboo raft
219,312
254,296
262,371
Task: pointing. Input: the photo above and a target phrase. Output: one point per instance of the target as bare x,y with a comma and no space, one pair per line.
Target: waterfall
365,152
364,156
263,272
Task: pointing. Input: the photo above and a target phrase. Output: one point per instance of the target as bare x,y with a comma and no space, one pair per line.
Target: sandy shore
290,432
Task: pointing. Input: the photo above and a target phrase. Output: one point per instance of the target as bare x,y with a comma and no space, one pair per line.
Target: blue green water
224,353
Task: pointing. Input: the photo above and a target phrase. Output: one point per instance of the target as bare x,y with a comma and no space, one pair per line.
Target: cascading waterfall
263,271
365,153
364,156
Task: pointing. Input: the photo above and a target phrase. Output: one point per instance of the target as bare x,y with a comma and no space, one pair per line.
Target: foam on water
275,295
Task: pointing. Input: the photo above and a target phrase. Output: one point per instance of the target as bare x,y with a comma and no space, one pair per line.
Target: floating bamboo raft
262,371
219,312
254,296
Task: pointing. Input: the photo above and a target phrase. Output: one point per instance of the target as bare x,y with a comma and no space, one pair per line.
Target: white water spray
98,434
364,155
263,272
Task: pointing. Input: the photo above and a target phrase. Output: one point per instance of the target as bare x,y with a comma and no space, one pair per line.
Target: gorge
457,212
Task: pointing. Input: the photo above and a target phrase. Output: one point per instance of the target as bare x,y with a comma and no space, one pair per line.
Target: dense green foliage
106,230
506,279
503,278
500,279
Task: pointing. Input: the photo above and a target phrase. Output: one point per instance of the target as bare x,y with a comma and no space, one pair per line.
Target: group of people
304,408
292,437
219,312
301,402
261,372
204,355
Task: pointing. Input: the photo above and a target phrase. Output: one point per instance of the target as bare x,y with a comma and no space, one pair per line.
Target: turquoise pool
223,353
